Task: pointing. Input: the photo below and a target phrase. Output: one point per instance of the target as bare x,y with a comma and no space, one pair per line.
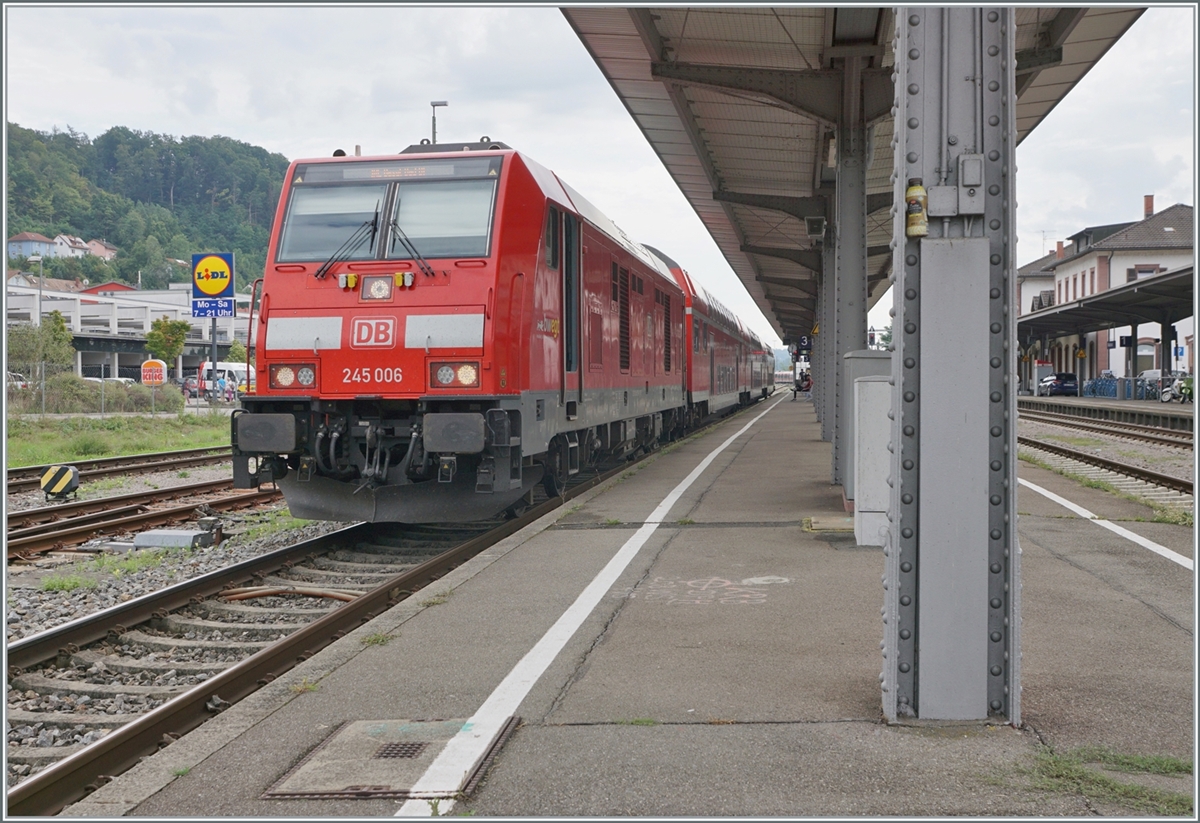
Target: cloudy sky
304,81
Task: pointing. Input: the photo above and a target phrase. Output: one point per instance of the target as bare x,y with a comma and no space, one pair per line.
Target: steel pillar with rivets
850,255
951,613
828,336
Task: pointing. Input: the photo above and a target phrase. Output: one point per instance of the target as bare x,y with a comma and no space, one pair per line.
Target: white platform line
1186,562
450,769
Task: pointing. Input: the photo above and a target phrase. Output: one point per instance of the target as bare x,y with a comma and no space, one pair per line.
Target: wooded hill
154,196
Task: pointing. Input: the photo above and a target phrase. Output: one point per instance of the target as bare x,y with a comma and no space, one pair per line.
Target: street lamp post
434,105
37,258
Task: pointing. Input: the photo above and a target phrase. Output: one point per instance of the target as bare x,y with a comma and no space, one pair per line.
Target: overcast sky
305,81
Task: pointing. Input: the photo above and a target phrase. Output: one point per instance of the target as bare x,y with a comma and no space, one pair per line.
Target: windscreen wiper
352,243
424,266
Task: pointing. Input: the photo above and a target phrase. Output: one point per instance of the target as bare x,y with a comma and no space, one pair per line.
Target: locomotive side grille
623,310
666,304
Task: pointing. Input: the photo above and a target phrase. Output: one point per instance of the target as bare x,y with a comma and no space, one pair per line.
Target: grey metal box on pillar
952,581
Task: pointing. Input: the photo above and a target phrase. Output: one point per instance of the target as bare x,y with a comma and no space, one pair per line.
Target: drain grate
401,750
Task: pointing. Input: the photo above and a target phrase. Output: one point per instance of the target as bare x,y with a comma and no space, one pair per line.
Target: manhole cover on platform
368,758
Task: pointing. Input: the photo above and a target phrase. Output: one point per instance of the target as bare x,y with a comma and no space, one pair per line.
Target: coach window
551,239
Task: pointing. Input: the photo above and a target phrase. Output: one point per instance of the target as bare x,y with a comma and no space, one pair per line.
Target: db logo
367,332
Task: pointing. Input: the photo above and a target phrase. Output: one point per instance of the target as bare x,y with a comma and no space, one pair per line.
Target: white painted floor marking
1186,562
466,749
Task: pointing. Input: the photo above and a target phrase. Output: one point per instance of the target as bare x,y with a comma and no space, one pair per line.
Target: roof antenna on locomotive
339,153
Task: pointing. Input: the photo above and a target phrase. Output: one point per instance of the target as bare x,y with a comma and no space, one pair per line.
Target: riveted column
827,323
952,575
850,256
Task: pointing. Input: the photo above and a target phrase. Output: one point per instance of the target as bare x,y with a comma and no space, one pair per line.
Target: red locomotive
442,329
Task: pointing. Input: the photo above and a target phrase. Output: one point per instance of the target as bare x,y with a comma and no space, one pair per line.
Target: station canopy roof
731,150
1160,297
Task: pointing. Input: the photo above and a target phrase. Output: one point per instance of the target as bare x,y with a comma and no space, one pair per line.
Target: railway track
1131,431
27,478
1153,479
71,524
113,687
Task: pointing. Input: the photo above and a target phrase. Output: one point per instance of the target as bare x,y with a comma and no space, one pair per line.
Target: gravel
1169,460
31,609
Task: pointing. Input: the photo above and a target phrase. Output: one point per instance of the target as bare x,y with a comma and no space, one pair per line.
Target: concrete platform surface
731,669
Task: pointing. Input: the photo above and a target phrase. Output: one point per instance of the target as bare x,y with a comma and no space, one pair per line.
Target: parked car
1062,382
17,381
1150,375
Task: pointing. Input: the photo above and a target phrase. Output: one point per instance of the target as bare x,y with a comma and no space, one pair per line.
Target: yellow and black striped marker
59,481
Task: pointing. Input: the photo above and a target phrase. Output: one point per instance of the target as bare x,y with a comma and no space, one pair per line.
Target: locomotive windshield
319,220
444,206
444,219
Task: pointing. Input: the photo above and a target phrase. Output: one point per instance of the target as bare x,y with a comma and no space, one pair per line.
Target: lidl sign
212,285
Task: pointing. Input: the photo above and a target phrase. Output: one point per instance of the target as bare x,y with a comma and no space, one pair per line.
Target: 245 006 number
369,375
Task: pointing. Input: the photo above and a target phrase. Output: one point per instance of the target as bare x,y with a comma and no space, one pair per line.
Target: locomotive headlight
377,288
467,374
454,375
292,376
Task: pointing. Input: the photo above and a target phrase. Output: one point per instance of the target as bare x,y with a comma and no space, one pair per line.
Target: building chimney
1148,205
1059,251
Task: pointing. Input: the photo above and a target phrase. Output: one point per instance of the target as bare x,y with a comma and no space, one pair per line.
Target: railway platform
709,649
1179,416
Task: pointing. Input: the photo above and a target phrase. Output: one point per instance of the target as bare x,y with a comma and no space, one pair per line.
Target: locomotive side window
320,219
450,218
551,238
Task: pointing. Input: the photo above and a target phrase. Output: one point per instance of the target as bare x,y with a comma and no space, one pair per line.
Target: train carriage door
572,384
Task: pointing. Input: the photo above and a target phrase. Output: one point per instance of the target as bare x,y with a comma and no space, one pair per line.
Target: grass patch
612,521
639,721
275,521
184,474
181,772
106,484
1069,773
66,583
89,444
686,521
303,686
377,639
438,599
1075,441
34,441
127,563
1174,516
1152,764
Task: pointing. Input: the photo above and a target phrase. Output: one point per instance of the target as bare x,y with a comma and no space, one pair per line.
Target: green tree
166,338
237,352
49,343
884,338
